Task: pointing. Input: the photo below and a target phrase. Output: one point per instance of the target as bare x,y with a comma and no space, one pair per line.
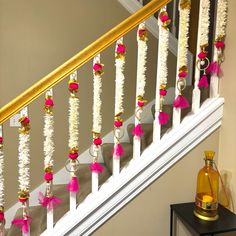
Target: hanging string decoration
2,218
120,51
141,77
203,61
73,185
163,23
184,12
24,174
221,22
97,116
48,200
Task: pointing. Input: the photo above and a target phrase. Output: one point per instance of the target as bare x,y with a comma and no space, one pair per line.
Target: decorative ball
118,123
49,102
48,176
163,92
73,156
120,48
97,141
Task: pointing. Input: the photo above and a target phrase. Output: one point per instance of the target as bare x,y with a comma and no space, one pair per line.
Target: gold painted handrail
29,95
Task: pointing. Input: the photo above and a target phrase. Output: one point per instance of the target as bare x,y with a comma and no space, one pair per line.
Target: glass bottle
206,201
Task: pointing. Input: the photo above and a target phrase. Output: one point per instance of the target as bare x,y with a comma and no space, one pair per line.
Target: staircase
146,157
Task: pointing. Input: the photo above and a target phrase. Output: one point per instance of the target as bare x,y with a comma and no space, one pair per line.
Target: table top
225,223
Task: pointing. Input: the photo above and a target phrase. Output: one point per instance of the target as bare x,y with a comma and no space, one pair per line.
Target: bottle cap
209,155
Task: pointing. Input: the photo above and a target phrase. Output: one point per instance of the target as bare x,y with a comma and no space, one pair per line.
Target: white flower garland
97,102
205,22
48,141
120,79
141,64
163,50
24,162
1,177
183,36
73,122
221,18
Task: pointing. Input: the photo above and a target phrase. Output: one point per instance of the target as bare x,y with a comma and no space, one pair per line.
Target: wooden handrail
29,95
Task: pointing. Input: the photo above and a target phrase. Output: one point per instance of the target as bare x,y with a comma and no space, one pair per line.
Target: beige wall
36,37
149,213
227,148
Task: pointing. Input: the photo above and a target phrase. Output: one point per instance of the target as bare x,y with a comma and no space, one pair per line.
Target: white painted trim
152,25
141,172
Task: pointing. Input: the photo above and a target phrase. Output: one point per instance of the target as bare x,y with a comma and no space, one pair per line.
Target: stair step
107,150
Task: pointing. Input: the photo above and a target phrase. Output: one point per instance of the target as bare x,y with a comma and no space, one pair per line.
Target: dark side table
184,211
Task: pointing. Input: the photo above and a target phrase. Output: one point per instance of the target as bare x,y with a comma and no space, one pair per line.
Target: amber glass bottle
206,201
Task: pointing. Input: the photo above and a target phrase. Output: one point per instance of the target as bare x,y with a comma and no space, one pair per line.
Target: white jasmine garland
97,102
48,141
183,36
141,64
221,18
1,178
120,79
204,21
73,122
163,50
24,162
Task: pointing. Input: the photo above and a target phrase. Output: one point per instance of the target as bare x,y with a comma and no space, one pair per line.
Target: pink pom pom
118,123
48,176
50,202
141,32
163,118
73,156
97,141
25,121
96,167
97,67
118,150
164,18
138,131
1,140
181,102
163,92
214,69
141,103
49,102
120,48
2,216
220,44
203,82
23,224
73,86
202,55
73,185
182,74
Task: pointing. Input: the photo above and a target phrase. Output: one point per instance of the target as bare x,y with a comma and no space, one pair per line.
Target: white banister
219,37
182,61
201,62
119,109
140,88
162,72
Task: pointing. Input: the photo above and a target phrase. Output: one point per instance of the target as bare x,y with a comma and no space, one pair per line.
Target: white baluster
162,73
140,85
182,52
220,32
95,179
202,39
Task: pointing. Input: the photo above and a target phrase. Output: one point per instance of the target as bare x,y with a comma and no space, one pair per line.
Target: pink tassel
203,82
138,131
163,118
23,224
96,167
214,69
50,202
181,102
73,185
118,150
